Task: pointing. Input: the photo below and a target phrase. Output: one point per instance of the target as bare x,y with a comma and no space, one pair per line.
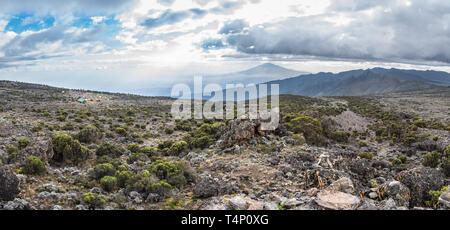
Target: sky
117,45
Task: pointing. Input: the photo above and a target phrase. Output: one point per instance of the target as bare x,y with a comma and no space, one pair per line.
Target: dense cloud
418,30
169,17
59,6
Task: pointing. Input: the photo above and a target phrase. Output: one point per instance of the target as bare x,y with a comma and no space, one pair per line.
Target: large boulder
398,192
208,186
9,185
242,131
337,200
338,196
444,199
420,181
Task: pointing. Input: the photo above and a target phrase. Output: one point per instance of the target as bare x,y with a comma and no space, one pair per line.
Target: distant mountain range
363,82
256,75
349,83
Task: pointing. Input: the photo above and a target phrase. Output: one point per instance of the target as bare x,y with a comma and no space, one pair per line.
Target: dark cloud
232,27
169,17
393,32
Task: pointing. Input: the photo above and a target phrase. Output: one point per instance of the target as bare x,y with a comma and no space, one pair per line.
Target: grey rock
367,204
344,185
270,206
135,197
9,185
337,200
398,191
17,204
96,190
444,199
420,181
238,203
153,198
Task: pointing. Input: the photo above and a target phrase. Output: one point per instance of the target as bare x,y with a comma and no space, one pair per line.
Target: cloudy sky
119,44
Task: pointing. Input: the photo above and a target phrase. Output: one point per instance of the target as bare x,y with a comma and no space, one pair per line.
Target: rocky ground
121,151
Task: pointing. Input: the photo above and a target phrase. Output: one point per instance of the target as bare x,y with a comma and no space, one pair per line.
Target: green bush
310,127
89,134
204,136
11,149
420,123
34,166
445,165
123,178
93,200
340,136
68,150
61,118
121,131
362,144
107,149
102,170
432,159
168,130
141,181
164,169
108,183
23,143
178,147
161,188
366,155
435,197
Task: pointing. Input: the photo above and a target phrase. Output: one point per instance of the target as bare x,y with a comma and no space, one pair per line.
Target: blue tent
81,100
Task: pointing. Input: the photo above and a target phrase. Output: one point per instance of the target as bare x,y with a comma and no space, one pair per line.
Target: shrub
23,143
310,127
34,166
135,157
102,170
108,183
161,188
204,136
340,136
435,197
366,155
447,151
141,181
420,123
362,144
164,169
68,150
446,166
432,159
123,178
11,149
134,148
178,147
93,200
168,130
89,134
107,149
61,118
121,131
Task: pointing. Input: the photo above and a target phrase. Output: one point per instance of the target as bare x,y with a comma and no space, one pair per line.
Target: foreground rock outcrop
9,185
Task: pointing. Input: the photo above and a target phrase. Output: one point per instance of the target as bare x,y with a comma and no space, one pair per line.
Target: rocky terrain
118,151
